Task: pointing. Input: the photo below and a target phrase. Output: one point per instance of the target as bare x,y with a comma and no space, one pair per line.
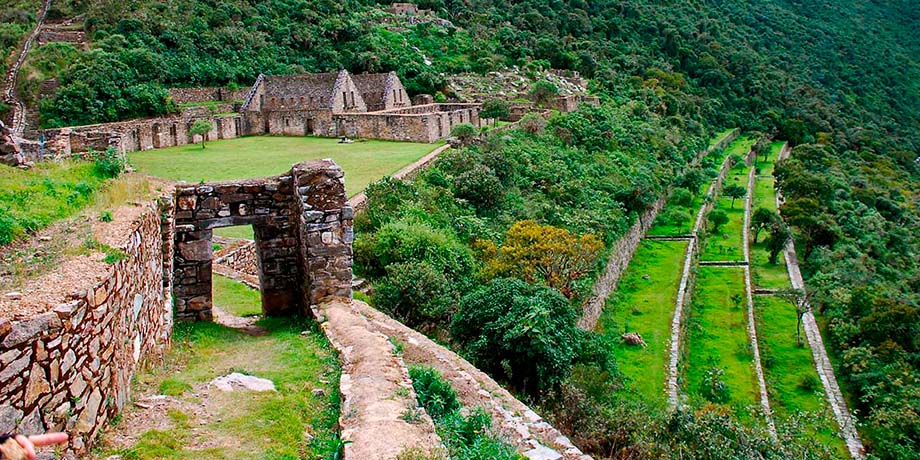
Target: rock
15,367
646,277
227,382
24,331
542,453
319,392
15,295
633,338
37,384
5,327
9,416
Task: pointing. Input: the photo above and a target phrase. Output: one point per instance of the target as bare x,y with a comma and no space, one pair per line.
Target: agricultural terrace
194,414
793,384
644,303
725,243
718,359
765,274
679,214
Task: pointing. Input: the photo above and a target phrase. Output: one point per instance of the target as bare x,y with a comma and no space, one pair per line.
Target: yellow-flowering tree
542,254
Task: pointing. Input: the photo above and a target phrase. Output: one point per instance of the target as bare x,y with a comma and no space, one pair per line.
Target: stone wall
303,235
210,93
128,136
422,123
71,368
242,259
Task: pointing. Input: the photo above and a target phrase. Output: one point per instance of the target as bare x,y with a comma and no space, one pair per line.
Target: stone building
374,106
405,9
382,91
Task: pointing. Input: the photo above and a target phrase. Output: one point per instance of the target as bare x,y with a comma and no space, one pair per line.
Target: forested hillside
840,79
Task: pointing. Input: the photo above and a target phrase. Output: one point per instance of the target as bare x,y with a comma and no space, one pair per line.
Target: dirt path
18,125
822,362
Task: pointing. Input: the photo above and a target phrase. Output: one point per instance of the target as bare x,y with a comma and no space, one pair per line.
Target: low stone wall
421,123
71,368
242,259
128,136
208,93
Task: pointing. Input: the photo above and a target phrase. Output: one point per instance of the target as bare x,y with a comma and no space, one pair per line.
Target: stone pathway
522,427
822,362
379,414
18,125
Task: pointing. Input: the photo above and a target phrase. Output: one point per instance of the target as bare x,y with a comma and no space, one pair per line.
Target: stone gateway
303,234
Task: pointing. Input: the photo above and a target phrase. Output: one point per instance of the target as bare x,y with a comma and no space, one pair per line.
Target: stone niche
303,234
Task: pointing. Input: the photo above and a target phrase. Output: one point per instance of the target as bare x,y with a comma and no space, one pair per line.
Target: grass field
765,274
792,381
260,425
718,338
262,156
646,306
741,146
235,297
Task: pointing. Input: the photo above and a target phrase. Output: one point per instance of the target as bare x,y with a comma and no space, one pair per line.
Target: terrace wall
424,123
71,368
210,93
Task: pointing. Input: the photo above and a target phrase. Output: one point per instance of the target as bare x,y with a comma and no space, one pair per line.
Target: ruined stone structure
303,233
407,9
209,93
382,91
374,106
71,368
10,151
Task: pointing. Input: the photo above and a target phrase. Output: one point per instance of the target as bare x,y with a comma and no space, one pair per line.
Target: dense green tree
734,191
717,218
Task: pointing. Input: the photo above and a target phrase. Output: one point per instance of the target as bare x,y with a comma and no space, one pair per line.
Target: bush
541,92
713,388
717,218
480,186
682,197
465,132
433,391
809,383
415,294
533,123
108,164
495,108
522,333
406,241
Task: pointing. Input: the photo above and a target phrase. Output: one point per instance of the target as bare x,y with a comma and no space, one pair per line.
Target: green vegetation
465,436
718,338
269,425
262,156
644,303
32,199
235,297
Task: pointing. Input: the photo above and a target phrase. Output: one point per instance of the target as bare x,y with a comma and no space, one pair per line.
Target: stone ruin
303,233
10,152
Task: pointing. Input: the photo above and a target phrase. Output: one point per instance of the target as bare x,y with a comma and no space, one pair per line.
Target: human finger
27,445
48,439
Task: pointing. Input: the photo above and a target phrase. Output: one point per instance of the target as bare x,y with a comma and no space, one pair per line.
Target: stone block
24,331
195,250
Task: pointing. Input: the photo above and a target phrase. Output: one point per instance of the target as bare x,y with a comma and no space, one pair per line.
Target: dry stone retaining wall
204,94
71,368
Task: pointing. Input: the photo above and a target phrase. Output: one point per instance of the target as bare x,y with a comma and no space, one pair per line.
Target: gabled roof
321,86
374,86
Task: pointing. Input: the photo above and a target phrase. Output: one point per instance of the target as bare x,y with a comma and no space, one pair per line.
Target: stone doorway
303,233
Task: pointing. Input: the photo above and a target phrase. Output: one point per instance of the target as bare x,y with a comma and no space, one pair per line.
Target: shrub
717,218
105,216
495,108
465,132
682,197
543,254
406,241
541,92
384,200
415,294
809,383
522,333
108,164
713,388
434,392
480,186
533,123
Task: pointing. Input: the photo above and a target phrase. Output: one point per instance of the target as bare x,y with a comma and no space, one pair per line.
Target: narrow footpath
10,97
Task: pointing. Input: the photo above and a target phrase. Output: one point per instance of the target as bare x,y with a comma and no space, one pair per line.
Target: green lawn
241,424
741,146
789,370
765,274
262,156
235,297
646,306
718,337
